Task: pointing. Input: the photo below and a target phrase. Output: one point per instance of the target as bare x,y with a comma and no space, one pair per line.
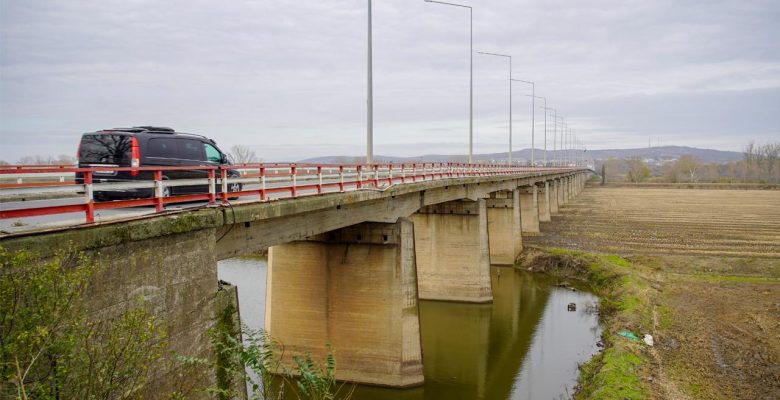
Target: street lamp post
370,102
471,72
510,99
555,119
557,144
564,129
545,126
533,114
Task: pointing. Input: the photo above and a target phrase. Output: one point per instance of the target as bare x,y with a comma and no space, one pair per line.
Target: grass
712,278
613,374
621,370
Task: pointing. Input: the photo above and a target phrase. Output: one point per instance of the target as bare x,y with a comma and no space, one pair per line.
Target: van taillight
135,159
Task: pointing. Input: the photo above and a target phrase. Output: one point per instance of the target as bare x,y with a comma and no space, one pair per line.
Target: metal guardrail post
294,189
341,178
223,184
390,174
158,192
212,187
319,179
360,177
262,184
89,197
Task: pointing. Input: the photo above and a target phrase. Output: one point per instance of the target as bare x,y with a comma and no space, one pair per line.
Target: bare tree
637,170
689,166
243,155
770,153
37,159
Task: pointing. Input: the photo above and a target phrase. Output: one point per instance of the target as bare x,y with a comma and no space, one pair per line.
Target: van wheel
166,192
234,187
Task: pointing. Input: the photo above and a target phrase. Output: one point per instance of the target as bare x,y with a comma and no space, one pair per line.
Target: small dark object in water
572,307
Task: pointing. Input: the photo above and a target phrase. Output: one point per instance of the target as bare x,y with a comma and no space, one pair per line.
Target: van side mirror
224,160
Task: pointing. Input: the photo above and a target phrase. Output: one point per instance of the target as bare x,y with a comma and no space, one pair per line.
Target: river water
525,345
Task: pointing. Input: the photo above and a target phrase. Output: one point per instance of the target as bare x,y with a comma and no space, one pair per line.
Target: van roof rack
160,129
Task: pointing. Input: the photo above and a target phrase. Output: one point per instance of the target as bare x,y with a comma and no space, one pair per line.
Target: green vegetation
53,346
613,374
626,304
268,378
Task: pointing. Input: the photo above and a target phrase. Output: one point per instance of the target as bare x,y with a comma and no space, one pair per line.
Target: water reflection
525,345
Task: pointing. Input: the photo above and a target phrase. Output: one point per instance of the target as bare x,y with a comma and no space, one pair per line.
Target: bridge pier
504,227
453,251
356,289
529,204
544,203
574,186
559,185
553,184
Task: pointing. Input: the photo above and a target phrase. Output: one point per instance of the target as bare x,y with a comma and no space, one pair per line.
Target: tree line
760,164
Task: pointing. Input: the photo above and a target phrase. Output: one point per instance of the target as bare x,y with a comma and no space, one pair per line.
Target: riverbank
623,369
712,333
699,271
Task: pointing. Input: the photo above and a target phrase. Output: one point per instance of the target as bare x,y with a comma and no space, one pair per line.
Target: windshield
106,148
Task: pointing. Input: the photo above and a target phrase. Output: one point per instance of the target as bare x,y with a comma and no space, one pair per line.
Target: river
525,345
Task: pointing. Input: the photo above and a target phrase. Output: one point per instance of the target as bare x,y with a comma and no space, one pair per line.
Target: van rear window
106,148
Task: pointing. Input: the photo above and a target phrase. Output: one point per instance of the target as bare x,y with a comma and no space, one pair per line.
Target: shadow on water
525,345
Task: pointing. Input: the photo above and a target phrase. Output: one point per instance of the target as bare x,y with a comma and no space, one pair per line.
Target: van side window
162,148
191,150
212,154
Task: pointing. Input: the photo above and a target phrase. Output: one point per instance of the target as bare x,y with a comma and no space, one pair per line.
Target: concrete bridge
345,269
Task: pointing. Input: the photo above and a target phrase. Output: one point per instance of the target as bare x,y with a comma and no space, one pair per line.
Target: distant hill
670,152
653,153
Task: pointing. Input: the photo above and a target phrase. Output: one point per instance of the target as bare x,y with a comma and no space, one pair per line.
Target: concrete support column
553,185
356,289
529,205
561,192
577,184
544,204
453,251
564,191
504,227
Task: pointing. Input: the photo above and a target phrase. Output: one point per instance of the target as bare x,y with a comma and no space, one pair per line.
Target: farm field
712,260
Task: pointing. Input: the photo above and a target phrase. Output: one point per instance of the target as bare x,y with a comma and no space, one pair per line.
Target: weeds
52,346
257,362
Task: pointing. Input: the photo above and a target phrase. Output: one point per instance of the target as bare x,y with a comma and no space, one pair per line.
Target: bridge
352,249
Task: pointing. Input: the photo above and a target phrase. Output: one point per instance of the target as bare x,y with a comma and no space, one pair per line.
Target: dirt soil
714,256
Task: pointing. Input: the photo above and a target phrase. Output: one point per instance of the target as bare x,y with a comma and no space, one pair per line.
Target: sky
289,78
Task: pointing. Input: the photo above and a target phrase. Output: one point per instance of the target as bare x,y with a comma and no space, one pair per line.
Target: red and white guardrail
272,181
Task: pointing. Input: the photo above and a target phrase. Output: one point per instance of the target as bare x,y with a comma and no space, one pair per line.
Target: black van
150,146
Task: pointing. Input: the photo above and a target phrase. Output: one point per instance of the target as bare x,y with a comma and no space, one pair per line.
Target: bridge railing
151,186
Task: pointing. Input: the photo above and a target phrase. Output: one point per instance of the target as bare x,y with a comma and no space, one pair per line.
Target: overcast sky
289,77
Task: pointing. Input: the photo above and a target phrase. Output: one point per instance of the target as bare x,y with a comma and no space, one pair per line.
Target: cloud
289,77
